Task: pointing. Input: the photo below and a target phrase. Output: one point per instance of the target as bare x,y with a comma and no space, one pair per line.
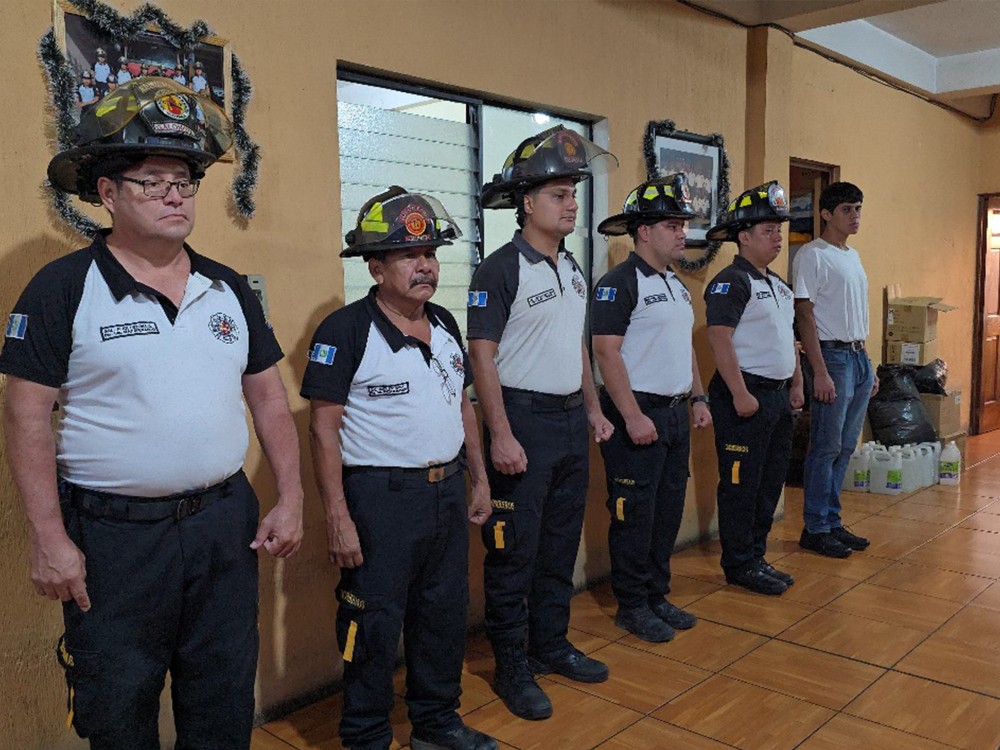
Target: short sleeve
614,300
491,294
264,349
806,273
335,352
726,297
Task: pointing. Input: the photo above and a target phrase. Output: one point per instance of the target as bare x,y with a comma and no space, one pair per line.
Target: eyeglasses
447,387
161,188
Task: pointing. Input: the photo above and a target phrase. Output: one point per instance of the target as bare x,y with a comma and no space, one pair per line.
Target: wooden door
985,415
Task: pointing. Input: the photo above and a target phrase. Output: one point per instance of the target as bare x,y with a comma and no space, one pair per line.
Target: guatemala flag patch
606,294
322,354
477,299
720,288
17,326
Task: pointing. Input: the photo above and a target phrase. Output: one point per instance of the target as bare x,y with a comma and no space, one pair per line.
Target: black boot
515,684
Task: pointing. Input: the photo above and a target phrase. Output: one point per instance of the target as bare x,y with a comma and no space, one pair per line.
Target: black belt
771,384
434,474
545,401
132,508
854,346
656,400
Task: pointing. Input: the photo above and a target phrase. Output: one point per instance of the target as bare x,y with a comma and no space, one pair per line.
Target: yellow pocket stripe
352,634
620,508
498,541
69,714
735,478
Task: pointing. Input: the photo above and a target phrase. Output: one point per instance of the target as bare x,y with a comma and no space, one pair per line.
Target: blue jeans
833,435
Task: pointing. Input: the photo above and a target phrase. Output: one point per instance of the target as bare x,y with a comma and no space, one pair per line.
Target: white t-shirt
836,283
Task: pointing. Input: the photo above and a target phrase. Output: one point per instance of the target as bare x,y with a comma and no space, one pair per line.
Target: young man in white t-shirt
831,308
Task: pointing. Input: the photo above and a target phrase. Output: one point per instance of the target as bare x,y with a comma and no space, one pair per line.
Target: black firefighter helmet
396,219
551,155
666,197
765,202
144,117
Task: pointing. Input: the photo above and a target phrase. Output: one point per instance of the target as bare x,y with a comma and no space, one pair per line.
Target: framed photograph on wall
100,61
698,158
703,159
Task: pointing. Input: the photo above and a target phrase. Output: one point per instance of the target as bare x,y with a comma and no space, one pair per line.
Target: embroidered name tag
541,297
397,389
121,330
654,298
763,294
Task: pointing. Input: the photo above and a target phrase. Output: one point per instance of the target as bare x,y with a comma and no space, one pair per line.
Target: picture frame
205,67
703,160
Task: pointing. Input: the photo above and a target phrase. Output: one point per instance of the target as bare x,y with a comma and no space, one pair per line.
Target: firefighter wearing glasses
641,321
750,311
142,520
392,432
527,303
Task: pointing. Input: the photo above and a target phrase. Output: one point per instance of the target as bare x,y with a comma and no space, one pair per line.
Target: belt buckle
435,474
187,506
857,346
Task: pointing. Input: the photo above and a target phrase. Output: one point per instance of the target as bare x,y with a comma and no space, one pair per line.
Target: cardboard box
910,352
914,318
945,412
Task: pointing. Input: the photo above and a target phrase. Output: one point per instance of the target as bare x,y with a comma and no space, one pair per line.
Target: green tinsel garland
61,82
669,129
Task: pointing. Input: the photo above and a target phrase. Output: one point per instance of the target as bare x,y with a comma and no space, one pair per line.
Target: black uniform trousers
533,536
646,488
414,580
753,460
177,595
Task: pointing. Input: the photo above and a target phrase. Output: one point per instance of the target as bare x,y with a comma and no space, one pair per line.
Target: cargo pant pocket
82,666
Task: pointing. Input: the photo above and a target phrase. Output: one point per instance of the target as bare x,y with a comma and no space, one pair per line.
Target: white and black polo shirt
151,394
402,399
653,312
762,311
535,310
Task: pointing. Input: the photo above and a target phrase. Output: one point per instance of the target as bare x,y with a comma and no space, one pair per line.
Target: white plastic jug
950,464
929,453
913,470
886,473
858,472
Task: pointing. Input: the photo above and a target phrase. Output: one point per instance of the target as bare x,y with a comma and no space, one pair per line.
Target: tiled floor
894,649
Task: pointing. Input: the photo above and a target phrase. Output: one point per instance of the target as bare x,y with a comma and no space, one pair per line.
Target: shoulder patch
720,287
477,299
323,354
17,326
606,293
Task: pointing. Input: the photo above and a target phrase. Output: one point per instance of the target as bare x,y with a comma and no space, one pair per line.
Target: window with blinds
442,145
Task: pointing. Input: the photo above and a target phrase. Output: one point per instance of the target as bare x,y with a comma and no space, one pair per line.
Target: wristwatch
703,398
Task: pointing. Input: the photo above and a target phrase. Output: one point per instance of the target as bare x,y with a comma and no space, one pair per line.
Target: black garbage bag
896,413
931,378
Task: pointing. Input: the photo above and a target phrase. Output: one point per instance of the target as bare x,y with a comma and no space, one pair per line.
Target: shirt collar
647,270
530,253
120,281
740,262
393,336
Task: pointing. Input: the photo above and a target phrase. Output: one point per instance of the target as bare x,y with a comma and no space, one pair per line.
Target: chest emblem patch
579,287
458,365
224,328
784,291
686,296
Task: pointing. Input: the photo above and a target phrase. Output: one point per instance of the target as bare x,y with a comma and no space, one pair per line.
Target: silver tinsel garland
61,82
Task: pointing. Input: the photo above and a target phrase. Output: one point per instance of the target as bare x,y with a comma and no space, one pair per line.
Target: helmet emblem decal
174,106
567,141
776,197
416,222
224,328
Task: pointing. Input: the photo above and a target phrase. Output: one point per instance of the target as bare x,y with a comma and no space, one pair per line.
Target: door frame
982,246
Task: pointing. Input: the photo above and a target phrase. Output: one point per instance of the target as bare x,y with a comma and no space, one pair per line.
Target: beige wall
629,62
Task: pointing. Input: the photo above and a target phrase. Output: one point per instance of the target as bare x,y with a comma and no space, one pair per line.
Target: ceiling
945,50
